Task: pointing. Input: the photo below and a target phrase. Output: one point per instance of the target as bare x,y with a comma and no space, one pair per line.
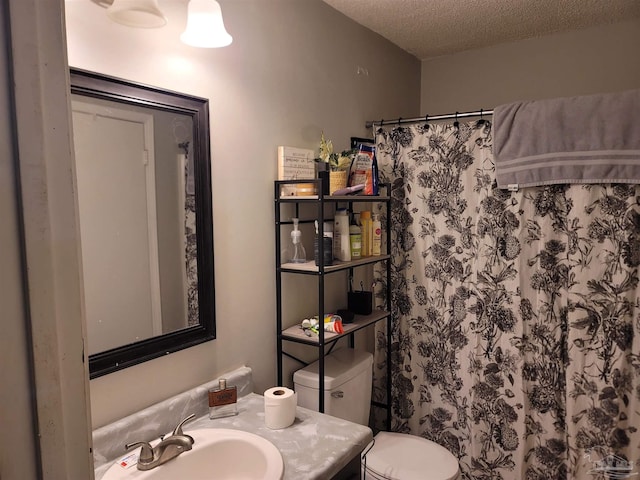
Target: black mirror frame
105,87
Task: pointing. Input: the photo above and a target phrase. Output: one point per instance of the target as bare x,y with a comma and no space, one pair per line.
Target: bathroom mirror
143,175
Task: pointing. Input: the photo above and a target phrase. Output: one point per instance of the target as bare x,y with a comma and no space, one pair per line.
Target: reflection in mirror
144,201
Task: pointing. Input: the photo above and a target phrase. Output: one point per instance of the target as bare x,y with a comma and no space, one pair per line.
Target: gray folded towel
586,139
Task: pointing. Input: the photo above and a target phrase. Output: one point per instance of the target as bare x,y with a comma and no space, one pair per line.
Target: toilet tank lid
339,367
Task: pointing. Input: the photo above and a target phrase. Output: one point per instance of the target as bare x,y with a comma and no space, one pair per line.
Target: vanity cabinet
321,207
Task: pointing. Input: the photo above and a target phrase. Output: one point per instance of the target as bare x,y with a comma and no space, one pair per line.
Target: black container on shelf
324,176
360,302
327,250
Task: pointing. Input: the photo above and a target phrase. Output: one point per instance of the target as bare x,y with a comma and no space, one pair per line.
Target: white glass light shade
137,13
205,27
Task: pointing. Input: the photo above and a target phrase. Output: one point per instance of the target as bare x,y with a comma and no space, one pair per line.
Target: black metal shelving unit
326,340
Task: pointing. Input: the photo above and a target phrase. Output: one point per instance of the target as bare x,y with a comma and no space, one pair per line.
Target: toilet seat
398,456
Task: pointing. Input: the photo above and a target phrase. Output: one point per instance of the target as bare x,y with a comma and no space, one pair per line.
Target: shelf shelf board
311,267
297,198
296,334
334,198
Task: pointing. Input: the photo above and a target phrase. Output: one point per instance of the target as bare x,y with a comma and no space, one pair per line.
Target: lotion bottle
355,240
376,235
341,248
365,227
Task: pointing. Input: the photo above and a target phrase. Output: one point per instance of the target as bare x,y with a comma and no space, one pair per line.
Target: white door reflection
115,168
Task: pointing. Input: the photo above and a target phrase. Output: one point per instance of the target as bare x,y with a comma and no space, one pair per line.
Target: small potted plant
337,164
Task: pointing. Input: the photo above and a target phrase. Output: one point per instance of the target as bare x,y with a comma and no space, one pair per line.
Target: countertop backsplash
158,419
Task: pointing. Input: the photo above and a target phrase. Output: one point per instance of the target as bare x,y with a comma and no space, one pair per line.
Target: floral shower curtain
190,242
516,314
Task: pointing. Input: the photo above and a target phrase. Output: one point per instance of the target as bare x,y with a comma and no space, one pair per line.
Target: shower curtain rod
426,118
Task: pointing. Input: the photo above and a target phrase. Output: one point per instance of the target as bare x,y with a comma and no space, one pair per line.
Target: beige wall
290,73
593,60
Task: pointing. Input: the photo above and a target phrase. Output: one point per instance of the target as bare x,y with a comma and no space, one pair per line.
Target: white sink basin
217,454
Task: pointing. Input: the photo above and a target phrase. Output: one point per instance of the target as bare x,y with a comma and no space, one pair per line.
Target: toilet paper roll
279,407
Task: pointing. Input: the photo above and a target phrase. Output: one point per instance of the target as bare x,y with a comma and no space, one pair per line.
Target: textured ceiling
430,28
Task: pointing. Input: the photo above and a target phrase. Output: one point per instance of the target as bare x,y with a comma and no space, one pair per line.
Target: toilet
347,395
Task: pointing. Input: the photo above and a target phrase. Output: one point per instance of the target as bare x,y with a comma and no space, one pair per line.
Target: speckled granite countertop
316,446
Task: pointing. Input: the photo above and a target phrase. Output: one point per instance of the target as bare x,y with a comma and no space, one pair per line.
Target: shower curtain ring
399,120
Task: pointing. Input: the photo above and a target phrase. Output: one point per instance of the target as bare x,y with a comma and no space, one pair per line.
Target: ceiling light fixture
137,13
205,27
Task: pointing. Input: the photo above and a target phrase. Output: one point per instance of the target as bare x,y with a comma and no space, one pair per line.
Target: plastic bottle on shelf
328,228
341,248
365,227
297,253
355,241
376,235
327,244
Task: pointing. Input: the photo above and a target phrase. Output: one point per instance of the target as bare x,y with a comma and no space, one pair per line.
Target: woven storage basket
337,180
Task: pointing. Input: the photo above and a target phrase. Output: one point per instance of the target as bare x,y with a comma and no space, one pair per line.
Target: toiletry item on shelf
341,248
346,315
297,254
365,232
332,324
309,326
223,401
364,170
327,245
355,241
327,227
376,235
349,190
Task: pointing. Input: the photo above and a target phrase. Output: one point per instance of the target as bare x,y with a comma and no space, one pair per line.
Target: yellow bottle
366,232
355,240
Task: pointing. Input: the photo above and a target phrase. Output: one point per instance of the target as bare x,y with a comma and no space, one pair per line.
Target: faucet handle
146,453
178,429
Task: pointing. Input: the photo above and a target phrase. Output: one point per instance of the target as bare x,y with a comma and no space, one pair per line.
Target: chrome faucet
170,447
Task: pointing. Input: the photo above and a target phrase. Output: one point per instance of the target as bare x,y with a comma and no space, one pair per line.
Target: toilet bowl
347,395
398,456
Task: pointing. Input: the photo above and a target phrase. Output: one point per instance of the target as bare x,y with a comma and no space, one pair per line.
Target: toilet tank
347,385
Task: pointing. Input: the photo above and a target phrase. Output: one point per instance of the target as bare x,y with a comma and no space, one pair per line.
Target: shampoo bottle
355,240
376,235
365,227
341,248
